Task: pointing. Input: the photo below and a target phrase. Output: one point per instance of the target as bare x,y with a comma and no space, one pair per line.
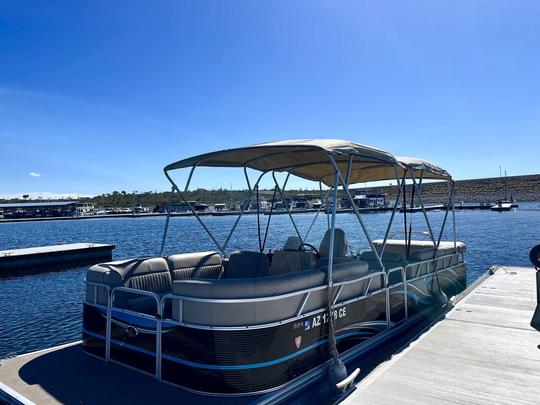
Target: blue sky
99,96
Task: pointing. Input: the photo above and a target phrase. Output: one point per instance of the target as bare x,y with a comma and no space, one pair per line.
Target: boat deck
483,352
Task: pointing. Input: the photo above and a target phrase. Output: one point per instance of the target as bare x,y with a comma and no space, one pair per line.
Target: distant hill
522,188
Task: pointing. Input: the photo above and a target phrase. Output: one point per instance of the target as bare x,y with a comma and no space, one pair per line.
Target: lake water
43,310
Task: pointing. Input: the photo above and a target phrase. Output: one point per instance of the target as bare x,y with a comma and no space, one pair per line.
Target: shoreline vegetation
521,188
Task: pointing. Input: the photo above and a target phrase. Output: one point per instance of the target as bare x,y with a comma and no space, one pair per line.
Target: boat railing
416,270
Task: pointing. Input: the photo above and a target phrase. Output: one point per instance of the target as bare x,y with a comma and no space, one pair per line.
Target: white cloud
34,174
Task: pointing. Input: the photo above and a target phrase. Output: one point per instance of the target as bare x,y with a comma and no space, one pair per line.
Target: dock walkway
483,352
35,259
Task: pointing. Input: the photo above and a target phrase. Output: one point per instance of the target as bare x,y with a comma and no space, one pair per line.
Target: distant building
370,200
140,209
183,207
85,208
220,207
39,209
300,203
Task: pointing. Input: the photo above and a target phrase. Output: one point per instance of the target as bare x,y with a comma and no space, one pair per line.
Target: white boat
502,206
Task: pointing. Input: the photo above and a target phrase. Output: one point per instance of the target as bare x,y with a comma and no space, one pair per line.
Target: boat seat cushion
249,287
151,274
346,269
388,257
246,264
195,265
148,274
249,312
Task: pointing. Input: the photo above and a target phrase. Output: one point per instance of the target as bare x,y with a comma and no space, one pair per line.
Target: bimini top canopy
310,159
422,167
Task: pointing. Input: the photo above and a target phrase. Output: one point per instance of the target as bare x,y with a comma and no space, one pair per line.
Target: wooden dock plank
483,352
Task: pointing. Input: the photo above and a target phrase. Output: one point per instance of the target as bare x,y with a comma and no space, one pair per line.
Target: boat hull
258,359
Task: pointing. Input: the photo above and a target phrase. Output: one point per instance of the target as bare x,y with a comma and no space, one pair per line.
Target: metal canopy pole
326,207
329,282
454,214
355,209
166,222
393,211
316,215
445,215
175,187
201,222
332,232
242,208
423,208
349,168
283,198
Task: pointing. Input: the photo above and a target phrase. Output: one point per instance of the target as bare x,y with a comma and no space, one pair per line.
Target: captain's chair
341,248
293,243
341,245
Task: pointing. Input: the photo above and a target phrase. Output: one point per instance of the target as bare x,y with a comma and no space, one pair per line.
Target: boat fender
534,256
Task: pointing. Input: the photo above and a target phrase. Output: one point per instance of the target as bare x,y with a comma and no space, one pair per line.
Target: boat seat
399,245
349,269
426,254
293,243
249,312
195,265
341,245
148,274
390,260
246,264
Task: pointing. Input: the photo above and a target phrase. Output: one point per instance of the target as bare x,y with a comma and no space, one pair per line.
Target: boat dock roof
483,352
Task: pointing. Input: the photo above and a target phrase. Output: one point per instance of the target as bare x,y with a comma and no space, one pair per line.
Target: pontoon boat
247,322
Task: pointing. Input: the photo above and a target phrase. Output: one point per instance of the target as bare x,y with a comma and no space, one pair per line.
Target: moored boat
247,322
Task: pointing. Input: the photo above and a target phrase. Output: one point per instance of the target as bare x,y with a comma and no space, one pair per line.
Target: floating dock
483,352
36,259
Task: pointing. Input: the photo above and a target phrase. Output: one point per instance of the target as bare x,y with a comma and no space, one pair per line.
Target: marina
271,203
438,207
260,325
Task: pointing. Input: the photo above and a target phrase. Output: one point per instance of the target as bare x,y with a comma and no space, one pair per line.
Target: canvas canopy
422,167
311,159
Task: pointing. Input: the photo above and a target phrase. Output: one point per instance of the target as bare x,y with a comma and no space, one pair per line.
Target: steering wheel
312,248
